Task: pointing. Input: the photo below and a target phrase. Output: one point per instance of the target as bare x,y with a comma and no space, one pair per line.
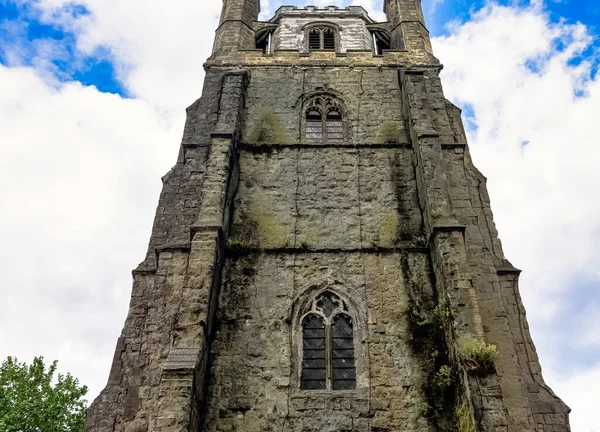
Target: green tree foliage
33,399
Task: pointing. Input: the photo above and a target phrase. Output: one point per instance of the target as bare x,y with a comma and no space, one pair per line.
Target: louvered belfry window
328,358
324,124
321,38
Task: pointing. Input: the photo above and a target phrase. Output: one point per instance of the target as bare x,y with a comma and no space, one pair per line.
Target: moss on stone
271,234
238,247
266,130
388,229
388,133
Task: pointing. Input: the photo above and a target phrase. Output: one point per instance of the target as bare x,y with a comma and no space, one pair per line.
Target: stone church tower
324,256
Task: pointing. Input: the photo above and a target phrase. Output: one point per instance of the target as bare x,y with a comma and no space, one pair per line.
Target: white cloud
152,41
80,173
536,141
370,5
579,390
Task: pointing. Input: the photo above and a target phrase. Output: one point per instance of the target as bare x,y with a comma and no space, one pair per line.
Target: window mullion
328,356
322,38
324,123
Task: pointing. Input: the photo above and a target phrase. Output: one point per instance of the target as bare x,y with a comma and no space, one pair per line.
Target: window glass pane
335,130
314,370
314,126
343,363
314,131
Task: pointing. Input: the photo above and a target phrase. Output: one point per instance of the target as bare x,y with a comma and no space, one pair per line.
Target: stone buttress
323,176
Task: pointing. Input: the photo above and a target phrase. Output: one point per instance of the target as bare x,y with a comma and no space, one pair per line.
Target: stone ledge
454,146
182,359
205,228
269,147
448,228
303,251
437,229
195,145
427,134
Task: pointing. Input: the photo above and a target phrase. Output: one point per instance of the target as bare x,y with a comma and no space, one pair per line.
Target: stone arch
265,39
321,27
305,307
324,120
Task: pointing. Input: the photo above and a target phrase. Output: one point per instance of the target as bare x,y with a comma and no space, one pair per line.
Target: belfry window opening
328,358
321,39
380,42
264,42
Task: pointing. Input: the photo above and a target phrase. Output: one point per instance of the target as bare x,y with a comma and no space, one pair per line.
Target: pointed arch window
321,39
328,357
324,122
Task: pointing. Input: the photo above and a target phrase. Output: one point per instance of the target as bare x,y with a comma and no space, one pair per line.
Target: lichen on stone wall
388,133
388,229
271,234
266,130
258,229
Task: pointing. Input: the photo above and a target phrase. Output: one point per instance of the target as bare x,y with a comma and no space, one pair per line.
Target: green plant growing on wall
238,247
464,418
388,133
419,317
477,355
439,380
444,378
266,130
424,410
442,313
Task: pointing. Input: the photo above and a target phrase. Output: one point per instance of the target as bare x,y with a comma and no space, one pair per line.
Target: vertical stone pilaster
181,387
408,25
446,235
236,30
447,241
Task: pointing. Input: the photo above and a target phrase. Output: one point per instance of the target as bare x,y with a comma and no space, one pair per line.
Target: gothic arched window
328,361
324,123
322,39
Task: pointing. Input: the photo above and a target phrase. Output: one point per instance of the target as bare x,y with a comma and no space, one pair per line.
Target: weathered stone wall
395,219
533,405
254,385
370,97
327,218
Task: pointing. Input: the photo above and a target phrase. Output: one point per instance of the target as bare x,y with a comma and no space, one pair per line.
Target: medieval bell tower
323,256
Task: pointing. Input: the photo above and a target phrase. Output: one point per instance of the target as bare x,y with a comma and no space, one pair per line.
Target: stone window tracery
328,357
324,123
321,39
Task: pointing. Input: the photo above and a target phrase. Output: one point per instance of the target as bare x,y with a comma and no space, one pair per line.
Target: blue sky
26,35
439,14
23,25
105,84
